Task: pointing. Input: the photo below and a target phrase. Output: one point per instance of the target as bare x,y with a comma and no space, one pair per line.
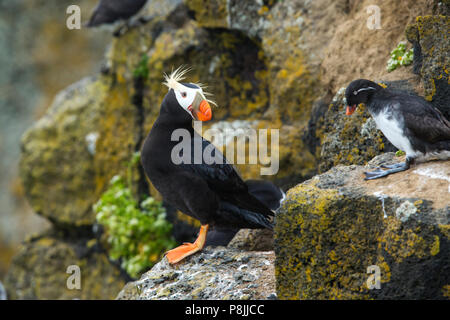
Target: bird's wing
425,122
102,14
125,8
223,179
108,11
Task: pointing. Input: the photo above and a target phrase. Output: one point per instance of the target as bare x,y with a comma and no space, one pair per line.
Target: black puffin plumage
110,11
212,193
408,121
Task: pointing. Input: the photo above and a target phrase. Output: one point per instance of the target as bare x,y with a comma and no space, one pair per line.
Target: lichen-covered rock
213,273
41,270
332,228
57,164
210,13
430,38
252,240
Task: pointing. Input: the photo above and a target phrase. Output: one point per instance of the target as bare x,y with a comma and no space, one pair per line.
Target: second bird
408,121
110,11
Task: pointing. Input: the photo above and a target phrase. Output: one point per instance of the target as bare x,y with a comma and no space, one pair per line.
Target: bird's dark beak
201,110
350,110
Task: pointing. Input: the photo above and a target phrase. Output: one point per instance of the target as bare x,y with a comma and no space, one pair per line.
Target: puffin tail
236,217
266,192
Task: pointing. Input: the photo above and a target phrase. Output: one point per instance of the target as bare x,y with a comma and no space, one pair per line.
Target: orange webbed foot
187,249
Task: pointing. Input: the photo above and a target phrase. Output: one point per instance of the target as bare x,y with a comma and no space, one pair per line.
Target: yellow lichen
434,250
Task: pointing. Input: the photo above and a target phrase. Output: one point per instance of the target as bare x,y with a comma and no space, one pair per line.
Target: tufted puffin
408,121
212,193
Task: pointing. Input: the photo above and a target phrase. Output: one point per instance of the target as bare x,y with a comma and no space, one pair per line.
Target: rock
213,273
357,51
40,270
39,56
66,157
431,58
56,165
332,228
252,240
211,14
3,295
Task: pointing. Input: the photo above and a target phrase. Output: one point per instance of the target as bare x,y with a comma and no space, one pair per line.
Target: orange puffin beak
350,110
200,108
204,112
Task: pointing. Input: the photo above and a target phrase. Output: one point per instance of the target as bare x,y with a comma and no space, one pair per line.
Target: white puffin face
190,96
185,94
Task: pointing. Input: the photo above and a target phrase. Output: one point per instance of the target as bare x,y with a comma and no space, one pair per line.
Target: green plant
400,57
137,234
141,70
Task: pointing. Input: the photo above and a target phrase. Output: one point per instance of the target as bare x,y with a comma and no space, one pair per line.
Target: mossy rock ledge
335,226
214,273
430,38
47,267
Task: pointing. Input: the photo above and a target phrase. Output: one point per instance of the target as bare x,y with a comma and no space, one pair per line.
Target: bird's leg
402,166
122,29
143,20
187,249
129,24
392,166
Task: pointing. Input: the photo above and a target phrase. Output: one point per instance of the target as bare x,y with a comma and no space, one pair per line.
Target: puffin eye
355,93
184,94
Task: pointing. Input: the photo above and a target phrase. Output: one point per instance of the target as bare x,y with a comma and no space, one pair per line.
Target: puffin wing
223,179
426,122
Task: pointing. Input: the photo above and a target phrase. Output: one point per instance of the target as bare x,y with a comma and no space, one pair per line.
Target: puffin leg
187,249
394,168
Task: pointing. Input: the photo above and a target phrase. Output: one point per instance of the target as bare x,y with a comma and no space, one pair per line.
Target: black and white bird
209,191
408,121
111,11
